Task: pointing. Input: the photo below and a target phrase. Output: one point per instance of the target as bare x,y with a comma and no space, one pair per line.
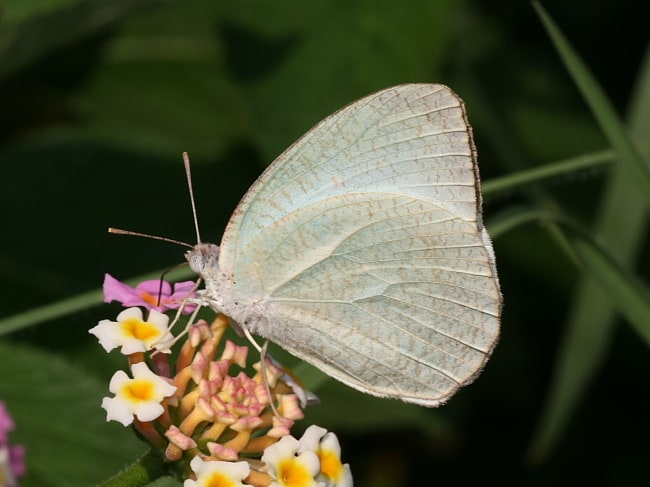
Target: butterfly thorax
218,291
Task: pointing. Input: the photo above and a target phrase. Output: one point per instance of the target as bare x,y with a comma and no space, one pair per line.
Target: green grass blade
547,171
511,218
631,298
591,321
49,312
599,104
620,226
80,302
499,225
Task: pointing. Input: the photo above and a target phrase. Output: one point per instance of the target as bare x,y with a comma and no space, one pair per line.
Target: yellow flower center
293,474
330,464
140,330
139,390
218,479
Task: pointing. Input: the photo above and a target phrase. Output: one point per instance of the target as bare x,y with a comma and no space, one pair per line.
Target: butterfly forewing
361,249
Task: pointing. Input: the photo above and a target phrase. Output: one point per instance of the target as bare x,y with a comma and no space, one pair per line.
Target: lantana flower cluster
214,423
12,457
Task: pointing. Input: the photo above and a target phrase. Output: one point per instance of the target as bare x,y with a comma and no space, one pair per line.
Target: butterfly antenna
188,173
119,231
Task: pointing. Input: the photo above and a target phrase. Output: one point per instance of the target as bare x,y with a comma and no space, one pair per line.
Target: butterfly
361,249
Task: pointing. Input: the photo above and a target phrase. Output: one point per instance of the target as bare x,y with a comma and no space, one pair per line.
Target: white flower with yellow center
217,474
140,396
326,446
133,333
288,469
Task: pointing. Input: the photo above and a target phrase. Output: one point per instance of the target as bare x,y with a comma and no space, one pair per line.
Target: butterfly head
203,257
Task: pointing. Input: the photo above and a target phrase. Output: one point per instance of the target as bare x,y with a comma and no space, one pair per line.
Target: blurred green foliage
98,98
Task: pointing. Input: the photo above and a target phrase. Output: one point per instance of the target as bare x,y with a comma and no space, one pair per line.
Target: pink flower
150,294
17,459
6,423
12,457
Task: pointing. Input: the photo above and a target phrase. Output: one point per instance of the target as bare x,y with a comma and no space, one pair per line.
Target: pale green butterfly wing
361,249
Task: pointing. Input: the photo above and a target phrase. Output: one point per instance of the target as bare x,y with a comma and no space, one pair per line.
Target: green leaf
56,409
138,105
64,24
16,11
144,472
297,60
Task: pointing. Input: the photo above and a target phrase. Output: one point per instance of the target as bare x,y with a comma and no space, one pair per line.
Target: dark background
99,98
